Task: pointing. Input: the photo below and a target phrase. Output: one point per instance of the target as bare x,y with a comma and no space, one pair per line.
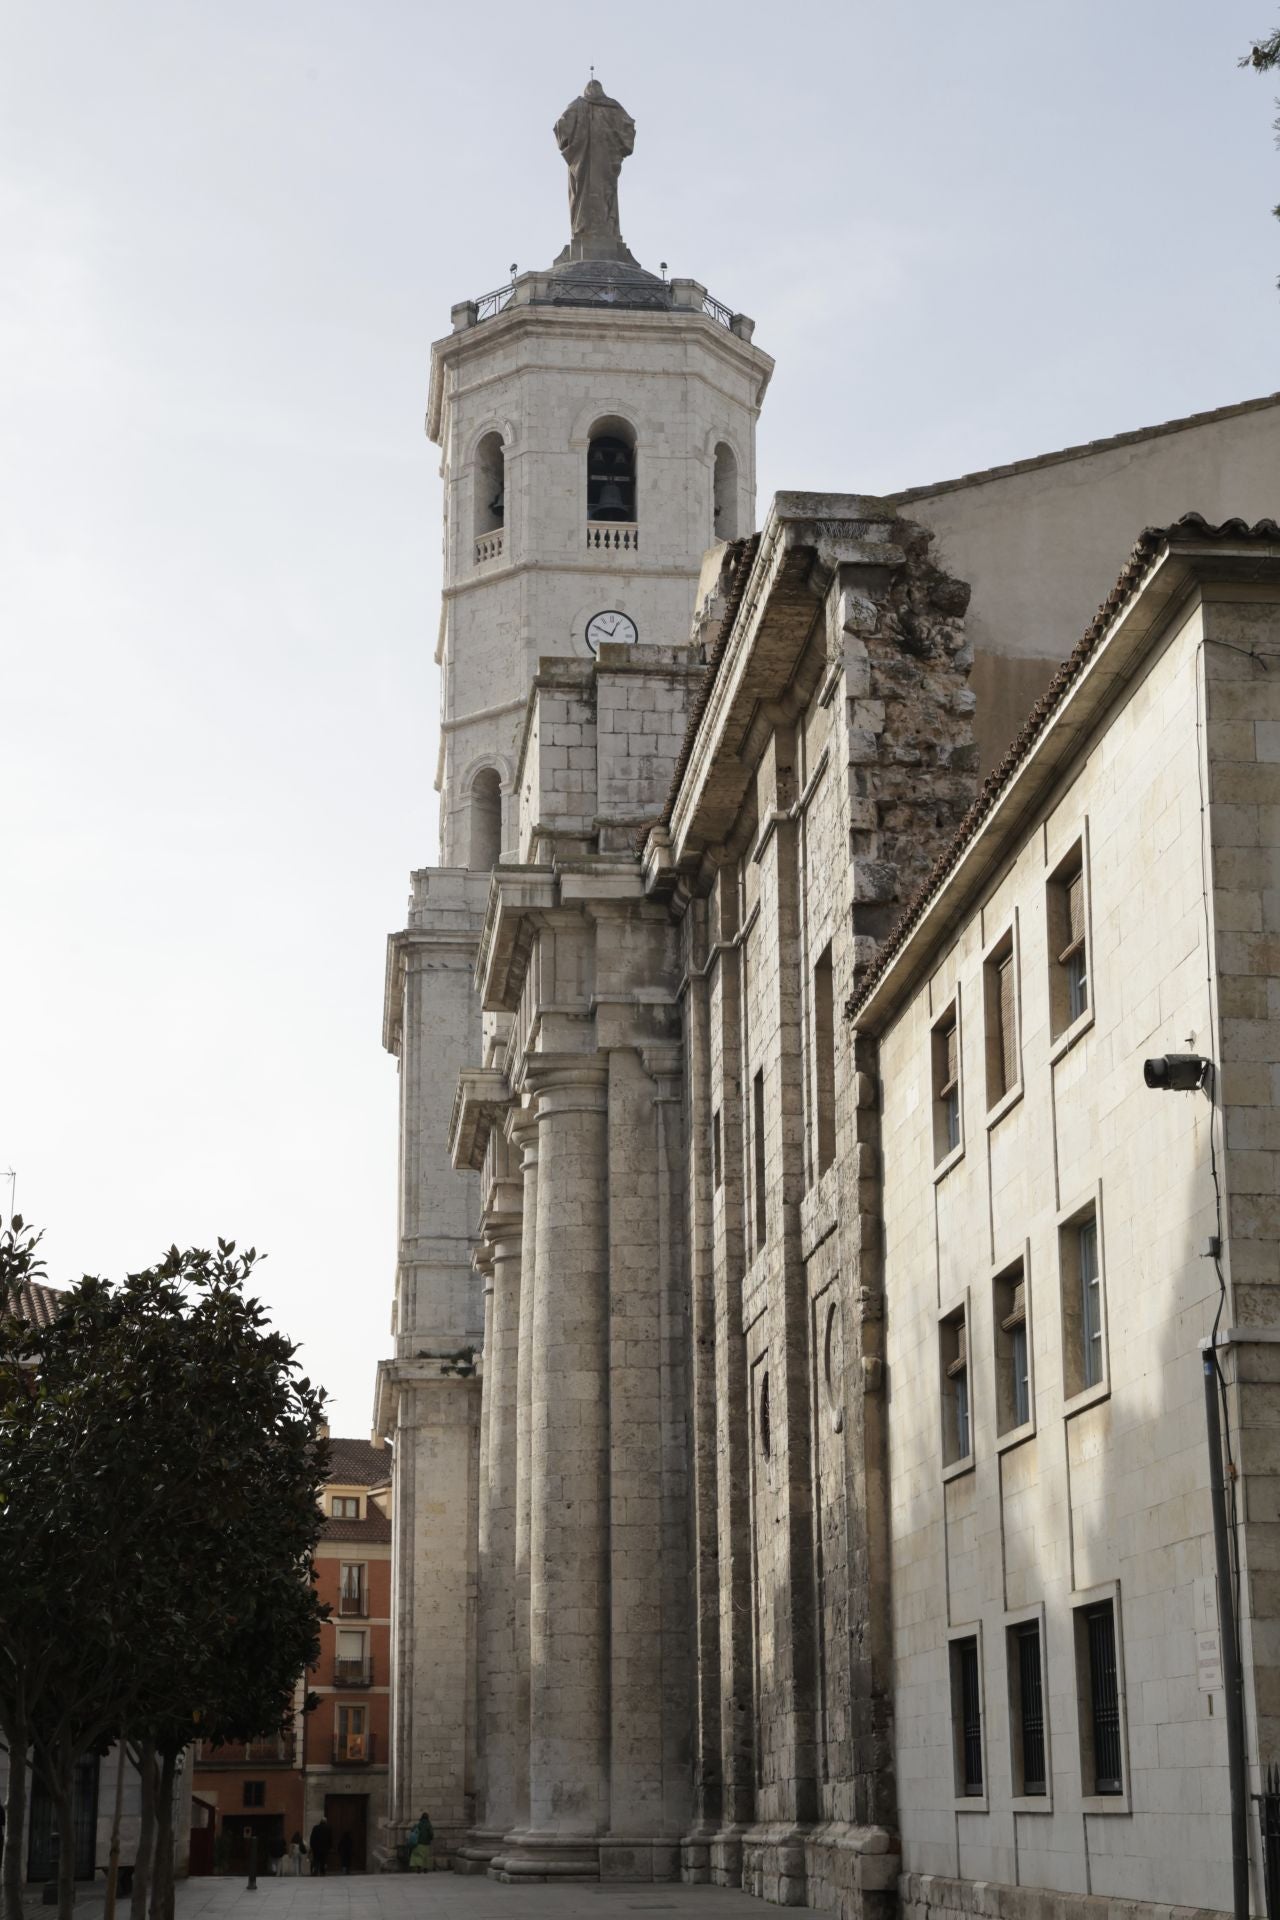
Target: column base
546,1856
477,1850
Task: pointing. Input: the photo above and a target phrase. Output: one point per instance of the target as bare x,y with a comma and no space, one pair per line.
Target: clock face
611,625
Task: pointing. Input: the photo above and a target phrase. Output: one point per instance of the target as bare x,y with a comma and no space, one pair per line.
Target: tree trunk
162,1872
113,1861
15,1810
146,1829
62,1781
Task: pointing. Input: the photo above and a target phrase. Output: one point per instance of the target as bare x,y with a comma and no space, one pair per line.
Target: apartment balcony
352,1749
353,1673
354,1606
277,1752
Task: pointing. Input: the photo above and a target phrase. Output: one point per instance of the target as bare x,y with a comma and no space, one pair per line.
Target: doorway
348,1813
40,1854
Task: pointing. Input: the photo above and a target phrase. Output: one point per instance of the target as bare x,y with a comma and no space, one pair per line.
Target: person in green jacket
421,1839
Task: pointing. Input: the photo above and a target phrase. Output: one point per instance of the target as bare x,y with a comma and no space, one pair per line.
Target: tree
160,1459
1263,56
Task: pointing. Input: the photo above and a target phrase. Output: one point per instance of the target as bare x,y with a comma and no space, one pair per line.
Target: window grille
1090,1302
757,1129
970,1717
1031,1709
1104,1699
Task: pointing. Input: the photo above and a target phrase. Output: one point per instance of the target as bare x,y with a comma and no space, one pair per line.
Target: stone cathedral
729,1416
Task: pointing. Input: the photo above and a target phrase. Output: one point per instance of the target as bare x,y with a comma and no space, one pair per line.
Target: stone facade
704,1571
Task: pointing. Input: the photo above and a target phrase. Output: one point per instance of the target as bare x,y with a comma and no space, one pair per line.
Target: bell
609,501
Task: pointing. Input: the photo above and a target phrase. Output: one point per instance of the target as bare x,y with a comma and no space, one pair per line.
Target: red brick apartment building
334,1761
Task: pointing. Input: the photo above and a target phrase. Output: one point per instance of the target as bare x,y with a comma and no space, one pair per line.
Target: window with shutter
1027,1689
957,1412
966,1716
1013,1352
946,1084
1000,979
1068,942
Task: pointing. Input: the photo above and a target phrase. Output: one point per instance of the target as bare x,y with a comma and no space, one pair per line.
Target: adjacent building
332,1759
801,1473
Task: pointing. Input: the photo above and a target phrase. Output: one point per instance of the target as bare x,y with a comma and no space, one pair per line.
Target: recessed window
725,494
485,823
350,1736
957,1410
946,1084
490,487
1026,1704
1083,1309
1067,915
255,1793
716,1168
757,1131
352,1592
1000,984
824,1060
611,475
1013,1350
345,1506
1098,1689
966,1716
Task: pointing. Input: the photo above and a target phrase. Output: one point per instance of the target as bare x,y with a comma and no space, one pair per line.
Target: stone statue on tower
595,134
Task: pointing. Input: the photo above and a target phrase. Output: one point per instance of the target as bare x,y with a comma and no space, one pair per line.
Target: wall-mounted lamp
1178,1072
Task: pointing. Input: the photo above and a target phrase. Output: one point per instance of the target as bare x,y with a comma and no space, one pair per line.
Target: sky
230,233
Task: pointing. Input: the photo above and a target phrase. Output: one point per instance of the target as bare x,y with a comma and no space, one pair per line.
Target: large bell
609,501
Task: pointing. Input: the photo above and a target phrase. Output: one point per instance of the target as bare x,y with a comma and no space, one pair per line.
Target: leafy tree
160,1458
1263,56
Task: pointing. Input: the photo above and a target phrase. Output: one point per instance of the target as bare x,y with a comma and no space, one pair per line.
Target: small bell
609,501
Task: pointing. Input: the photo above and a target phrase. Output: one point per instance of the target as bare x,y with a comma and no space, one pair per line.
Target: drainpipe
1231,1672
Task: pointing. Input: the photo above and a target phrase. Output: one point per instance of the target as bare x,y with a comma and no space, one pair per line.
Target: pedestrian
421,1839
344,1850
320,1842
297,1854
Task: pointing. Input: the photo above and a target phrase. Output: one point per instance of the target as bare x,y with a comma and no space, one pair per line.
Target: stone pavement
450,1896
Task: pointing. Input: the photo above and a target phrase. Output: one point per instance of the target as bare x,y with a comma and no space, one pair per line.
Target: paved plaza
433,1896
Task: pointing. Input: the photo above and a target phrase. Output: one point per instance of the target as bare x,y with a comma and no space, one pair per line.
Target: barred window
966,1715
1026,1688
1098,1678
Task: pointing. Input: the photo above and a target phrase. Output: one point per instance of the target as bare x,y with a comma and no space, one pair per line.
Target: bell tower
597,426
597,431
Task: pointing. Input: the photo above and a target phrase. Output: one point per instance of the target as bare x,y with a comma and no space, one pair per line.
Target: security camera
1177,1072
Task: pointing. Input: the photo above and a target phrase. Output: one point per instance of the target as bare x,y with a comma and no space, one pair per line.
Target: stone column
522,1131
499,1706
474,1853
568,1517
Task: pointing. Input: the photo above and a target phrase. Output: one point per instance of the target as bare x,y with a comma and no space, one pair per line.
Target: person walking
297,1854
320,1842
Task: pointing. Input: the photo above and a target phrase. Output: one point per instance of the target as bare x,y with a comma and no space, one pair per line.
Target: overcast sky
230,232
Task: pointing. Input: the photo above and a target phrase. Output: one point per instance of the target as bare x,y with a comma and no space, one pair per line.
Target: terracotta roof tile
374,1528
1192,529
355,1463
38,1304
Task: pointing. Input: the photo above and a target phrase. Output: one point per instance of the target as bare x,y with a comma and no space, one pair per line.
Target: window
946,1084
1000,981
1083,1317
1026,1705
716,1168
1098,1689
351,1740
957,1412
490,487
725,494
485,837
611,474
255,1793
345,1506
824,1060
350,1668
1013,1353
757,1130
966,1716
1068,943
351,1593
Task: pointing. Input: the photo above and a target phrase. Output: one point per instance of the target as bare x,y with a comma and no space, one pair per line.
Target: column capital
568,1082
